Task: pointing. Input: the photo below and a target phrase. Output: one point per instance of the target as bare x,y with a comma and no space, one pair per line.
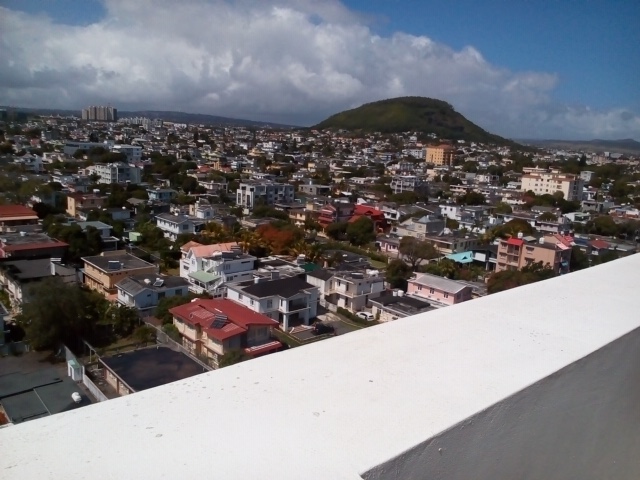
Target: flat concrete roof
335,409
151,367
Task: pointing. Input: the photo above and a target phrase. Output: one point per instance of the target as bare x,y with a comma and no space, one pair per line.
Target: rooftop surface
282,287
128,261
150,367
349,408
27,269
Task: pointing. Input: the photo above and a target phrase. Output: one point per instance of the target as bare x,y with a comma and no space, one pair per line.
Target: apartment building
439,291
542,183
100,113
214,328
408,183
440,155
103,272
515,253
133,153
83,201
291,300
251,193
117,172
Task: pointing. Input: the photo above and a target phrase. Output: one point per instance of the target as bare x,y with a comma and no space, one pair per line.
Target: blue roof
463,257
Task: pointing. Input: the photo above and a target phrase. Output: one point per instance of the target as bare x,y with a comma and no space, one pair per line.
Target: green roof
310,267
204,277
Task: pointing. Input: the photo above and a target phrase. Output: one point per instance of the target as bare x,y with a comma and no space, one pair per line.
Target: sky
520,68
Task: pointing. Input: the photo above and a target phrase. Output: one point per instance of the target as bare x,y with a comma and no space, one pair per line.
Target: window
161,295
240,297
251,302
446,295
432,291
269,303
419,287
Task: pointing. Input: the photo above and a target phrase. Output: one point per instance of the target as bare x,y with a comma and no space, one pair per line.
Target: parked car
323,328
368,316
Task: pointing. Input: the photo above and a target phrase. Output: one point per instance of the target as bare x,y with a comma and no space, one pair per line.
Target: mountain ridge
419,114
168,115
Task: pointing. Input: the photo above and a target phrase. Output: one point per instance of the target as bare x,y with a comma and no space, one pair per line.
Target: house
31,245
515,253
377,217
161,194
291,300
251,193
353,290
109,242
314,190
174,225
144,292
453,243
389,245
214,328
335,213
208,267
18,276
83,201
420,227
102,272
439,291
116,172
12,217
393,305
145,368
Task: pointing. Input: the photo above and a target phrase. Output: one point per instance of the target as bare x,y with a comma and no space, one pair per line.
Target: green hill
417,114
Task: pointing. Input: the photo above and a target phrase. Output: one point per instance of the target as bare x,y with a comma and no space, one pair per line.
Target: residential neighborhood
201,246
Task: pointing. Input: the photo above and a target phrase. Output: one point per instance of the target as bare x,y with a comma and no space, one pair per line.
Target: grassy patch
285,338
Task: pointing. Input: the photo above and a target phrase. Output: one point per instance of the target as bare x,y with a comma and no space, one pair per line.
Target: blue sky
554,66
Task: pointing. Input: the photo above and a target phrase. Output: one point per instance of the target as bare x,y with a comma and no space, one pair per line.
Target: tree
508,279
397,274
472,198
172,331
579,259
59,313
603,225
414,251
512,228
361,231
145,334
336,231
503,208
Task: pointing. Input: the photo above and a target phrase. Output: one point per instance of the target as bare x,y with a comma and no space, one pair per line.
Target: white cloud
293,61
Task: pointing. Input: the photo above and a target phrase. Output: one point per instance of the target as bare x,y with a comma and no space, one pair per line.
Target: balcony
548,391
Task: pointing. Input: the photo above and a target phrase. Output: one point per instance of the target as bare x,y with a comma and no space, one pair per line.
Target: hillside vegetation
418,114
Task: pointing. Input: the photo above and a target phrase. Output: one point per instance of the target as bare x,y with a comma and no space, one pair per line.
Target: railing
95,391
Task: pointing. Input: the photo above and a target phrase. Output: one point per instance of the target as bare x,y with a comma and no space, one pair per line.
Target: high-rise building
100,114
440,155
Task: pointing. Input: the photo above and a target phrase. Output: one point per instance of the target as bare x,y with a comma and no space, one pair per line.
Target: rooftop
126,260
512,385
435,281
27,269
151,367
137,283
282,287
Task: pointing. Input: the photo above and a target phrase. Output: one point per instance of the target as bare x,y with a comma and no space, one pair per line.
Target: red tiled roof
599,244
16,211
202,312
515,241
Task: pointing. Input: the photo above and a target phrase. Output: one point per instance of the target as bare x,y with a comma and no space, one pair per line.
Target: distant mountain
626,145
418,114
178,117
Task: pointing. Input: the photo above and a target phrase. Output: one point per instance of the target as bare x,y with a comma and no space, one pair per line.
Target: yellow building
83,201
440,155
102,272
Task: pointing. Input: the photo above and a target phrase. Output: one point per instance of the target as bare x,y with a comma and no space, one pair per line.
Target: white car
368,316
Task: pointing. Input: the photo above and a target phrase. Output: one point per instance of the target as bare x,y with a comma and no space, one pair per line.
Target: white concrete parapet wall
540,382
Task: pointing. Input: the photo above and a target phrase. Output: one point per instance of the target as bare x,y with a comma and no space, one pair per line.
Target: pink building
438,289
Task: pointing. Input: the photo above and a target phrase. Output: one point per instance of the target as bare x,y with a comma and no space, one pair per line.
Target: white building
407,183
211,272
117,172
348,290
268,193
132,152
548,183
144,292
174,225
289,300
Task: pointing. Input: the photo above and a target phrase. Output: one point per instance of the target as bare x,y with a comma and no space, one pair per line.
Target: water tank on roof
520,235
400,293
76,397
